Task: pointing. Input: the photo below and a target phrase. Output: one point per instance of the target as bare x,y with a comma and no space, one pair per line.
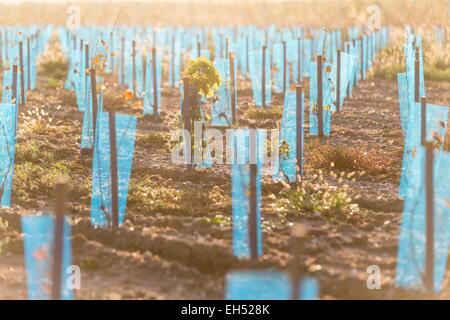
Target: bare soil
171,245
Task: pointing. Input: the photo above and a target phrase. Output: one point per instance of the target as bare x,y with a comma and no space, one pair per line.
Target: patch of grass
37,121
3,225
436,74
54,68
269,113
345,159
53,83
388,72
219,220
32,152
114,100
153,139
32,179
318,196
146,193
150,194
389,62
88,264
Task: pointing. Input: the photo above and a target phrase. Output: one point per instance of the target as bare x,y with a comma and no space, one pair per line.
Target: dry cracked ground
176,240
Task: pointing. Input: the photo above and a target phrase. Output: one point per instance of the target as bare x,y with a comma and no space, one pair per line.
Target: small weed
153,139
37,121
30,178
149,194
32,152
54,67
346,159
318,196
270,113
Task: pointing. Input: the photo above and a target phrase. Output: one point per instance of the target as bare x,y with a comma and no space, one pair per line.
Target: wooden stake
362,58
199,49
320,96
155,83
227,48
247,55
22,76
417,76
144,72
349,83
338,80
28,64
1,52
423,127
233,88
94,100
186,110
6,45
429,267
299,60
14,84
263,76
86,61
61,195
299,129
252,218
111,45
298,235
356,72
133,57
173,61
284,68
114,172
122,59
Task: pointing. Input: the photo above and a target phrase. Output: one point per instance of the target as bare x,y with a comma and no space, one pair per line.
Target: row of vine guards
424,236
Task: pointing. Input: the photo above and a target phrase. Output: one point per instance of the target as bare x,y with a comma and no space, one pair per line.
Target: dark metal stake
61,195
227,48
417,76
173,60
349,84
299,60
232,88
187,119
199,49
86,61
423,127
338,80
144,72
94,100
22,76
263,76
320,96
252,218
284,68
28,64
429,267
299,129
247,55
114,173
362,58
133,57
14,84
111,45
122,58
297,238
155,83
